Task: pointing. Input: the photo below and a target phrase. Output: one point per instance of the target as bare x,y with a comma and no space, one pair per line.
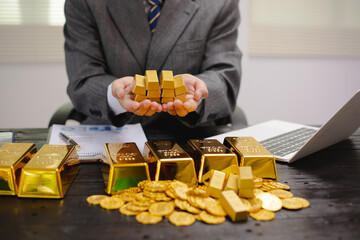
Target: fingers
148,108
201,91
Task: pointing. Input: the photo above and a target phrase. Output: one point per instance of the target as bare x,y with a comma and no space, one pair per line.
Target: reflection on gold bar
233,206
232,182
252,153
216,184
168,161
13,157
50,172
210,154
124,167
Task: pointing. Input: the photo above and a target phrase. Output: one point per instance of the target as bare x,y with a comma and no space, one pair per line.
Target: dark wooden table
329,179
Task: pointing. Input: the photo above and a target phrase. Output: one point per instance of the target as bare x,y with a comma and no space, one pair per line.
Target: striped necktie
155,7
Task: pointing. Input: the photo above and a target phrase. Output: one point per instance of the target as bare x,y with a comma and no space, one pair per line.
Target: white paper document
92,138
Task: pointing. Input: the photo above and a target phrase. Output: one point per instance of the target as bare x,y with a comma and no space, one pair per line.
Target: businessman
107,42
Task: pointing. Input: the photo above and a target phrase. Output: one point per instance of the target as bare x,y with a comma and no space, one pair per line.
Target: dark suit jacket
109,39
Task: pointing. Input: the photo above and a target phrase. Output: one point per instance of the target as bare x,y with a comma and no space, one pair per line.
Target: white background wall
303,90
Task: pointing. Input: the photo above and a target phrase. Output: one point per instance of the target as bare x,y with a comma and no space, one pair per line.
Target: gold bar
232,182
167,99
180,87
153,94
168,93
210,154
216,184
140,87
233,206
181,97
154,99
50,172
167,80
252,153
168,161
139,98
246,182
13,157
151,80
124,167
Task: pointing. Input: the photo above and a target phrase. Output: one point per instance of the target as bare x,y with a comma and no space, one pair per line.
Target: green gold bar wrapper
124,167
210,154
168,161
233,206
50,172
13,157
252,153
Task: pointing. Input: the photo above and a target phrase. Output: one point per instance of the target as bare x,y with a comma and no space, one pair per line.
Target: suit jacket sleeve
221,67
86,65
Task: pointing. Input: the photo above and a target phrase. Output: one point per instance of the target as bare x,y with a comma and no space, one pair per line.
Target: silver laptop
290,141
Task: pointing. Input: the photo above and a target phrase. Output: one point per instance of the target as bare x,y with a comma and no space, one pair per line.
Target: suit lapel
131,20
175,16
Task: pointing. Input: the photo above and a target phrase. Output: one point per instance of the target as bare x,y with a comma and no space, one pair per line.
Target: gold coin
141,203
176,184
292,203
134,189
126,196
200,201
161,208
280,185
125,211
95,199
211,219
156,186
181,192
209,200
281,193
147,218
305,203
257,191
180,203
171,193
181,218
141,184
157,196
192,200
190,208
111,203
140,197
263,215
135,208
216,209
270,202
246,203
255,205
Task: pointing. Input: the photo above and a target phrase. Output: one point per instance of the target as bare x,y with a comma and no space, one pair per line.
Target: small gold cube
180,87
153,94
233,206
140,87
167,99
151,80
168,93
139,98
181,97
216,183
167,80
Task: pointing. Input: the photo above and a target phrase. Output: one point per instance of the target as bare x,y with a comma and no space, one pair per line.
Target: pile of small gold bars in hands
183,205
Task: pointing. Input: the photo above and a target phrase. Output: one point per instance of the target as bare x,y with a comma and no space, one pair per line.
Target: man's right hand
122,90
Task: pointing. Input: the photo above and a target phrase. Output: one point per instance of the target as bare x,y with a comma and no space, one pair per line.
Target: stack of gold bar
167,86
147,87
124,167
50,172
168,161
13,157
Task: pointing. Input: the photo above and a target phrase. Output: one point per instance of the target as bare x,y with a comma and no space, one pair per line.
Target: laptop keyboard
289,142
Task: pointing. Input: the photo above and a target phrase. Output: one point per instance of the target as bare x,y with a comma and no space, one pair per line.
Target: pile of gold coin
182,205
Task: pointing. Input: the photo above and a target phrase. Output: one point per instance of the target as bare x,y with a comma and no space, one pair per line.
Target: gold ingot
151,80
167,99
210,154
50,172
232,182
233,206
168,161
140,87
181,97
167,80
139,98
124,167
246,182
216,184
153,94
252,153
180,87
13,157
168,93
